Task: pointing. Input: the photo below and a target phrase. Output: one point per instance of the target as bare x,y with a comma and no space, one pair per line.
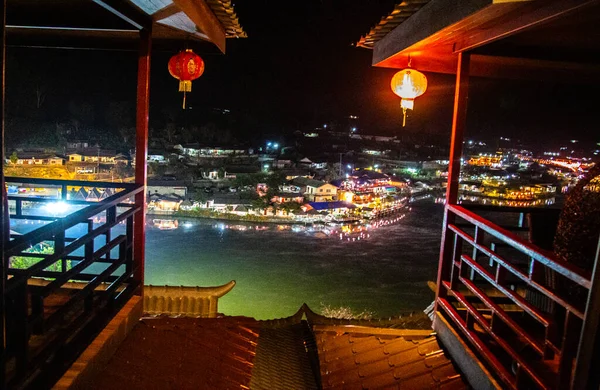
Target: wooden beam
126,12
205,20
533,15
499,67
164,13
141,154
532,69
434,17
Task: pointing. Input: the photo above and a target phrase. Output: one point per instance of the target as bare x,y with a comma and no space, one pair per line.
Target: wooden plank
206,21
164,13
141,153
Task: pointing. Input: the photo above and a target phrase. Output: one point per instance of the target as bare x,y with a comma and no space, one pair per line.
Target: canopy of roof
507,38
116,23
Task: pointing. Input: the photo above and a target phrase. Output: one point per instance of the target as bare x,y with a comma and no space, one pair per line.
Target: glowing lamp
408,84
186,66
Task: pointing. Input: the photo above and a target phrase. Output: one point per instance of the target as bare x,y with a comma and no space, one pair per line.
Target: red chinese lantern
408,84
186,66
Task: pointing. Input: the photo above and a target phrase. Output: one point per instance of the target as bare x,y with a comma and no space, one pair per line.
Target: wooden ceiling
115,24
508,38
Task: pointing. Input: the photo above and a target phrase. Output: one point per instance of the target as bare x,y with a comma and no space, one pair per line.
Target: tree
170,132
14,158
333,172
290,207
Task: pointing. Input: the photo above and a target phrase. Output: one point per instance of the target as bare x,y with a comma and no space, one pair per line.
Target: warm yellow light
408,84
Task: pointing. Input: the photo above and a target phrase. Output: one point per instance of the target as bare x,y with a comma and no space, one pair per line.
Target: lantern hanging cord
409,61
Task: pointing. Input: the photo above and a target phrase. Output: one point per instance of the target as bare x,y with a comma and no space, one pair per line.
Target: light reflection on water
382,267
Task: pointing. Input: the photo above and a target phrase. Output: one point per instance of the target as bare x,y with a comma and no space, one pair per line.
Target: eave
508,38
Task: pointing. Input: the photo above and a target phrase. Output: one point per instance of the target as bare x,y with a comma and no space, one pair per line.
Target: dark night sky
298,69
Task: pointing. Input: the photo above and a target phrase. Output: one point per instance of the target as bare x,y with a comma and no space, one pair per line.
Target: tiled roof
184,300
223,10
395,359
401,12
282,361
184,353
304,181
331,205
303,351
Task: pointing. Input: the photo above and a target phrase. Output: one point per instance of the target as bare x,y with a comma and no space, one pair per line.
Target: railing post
142,115
586,374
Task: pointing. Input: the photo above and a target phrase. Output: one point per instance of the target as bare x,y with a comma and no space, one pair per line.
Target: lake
383,270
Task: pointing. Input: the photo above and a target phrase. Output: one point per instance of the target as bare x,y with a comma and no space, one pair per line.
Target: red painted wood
459,119
458,124
541,340
141,154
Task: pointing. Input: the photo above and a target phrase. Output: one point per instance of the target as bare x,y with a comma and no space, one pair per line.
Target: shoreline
251,219
227,217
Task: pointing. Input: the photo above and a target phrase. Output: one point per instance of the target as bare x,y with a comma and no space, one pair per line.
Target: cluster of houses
83,160
363,192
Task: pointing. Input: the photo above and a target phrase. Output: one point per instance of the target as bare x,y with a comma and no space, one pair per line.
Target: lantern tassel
403,117
184,99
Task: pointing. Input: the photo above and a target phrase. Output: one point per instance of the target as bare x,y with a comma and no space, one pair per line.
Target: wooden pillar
459,119
456,140
141,152
586,374
5,225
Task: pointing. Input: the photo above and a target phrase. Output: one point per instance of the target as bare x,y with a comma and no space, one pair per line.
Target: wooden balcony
68,275
519,307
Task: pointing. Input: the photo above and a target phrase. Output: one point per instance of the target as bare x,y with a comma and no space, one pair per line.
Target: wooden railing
67,276
519,307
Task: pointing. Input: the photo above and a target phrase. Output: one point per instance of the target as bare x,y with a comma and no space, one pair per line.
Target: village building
92,155
287,197
196,150
316,190
167,187
35,158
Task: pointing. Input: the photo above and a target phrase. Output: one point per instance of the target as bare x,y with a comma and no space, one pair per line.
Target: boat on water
165,224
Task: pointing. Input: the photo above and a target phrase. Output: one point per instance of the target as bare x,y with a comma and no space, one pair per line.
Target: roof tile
373,369
385,381
381,360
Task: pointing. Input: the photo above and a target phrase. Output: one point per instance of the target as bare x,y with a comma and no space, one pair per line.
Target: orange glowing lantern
408,84
186,66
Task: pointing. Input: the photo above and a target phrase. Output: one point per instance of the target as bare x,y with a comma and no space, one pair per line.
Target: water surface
277,269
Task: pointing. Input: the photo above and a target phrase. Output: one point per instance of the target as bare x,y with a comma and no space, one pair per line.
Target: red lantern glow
186,66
